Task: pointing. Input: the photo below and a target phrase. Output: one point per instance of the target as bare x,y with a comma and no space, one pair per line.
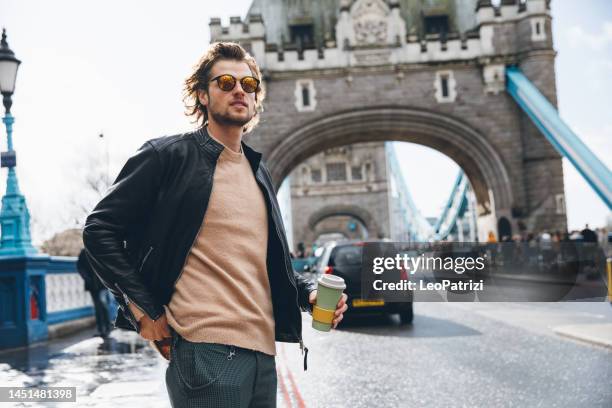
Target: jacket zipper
144,260
278,233
303,348
131,318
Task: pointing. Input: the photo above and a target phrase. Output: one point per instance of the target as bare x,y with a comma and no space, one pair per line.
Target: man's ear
203,97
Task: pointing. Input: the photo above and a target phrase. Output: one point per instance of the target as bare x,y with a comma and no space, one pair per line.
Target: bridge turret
249,34
215,29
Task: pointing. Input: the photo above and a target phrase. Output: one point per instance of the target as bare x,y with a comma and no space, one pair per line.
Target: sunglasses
227,82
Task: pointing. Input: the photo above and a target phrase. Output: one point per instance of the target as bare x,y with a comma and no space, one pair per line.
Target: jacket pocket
199,365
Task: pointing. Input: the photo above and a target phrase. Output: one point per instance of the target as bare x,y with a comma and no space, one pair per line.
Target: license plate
367,303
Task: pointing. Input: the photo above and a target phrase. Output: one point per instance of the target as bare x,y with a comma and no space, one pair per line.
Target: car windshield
346,255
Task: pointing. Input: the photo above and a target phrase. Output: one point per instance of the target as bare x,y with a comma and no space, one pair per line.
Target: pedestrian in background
99,295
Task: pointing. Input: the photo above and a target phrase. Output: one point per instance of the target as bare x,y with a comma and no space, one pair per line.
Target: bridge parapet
39,295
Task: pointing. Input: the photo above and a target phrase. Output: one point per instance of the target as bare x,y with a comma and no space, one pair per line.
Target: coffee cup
329,291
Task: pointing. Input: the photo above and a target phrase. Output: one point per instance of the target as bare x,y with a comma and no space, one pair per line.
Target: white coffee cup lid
332,281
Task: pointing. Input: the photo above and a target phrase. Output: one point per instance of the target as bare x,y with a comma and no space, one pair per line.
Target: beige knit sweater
223,293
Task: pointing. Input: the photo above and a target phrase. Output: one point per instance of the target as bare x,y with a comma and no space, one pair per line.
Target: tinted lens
226,82
249,84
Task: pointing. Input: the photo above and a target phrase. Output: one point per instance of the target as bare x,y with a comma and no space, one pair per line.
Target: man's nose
238,90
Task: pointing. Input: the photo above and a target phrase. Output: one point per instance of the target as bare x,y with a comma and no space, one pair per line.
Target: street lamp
8,72
14,216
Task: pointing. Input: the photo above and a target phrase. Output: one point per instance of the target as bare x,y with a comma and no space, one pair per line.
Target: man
191,242
99,295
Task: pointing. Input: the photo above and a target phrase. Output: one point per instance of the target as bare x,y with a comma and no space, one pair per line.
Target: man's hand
154,329
340,307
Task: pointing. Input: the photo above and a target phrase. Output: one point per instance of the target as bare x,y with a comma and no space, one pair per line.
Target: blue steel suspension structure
568,144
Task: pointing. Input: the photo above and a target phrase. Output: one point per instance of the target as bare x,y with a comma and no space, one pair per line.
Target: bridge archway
482,164
360,214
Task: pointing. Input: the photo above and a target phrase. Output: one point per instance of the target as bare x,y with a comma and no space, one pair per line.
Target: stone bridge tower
343,190
430,72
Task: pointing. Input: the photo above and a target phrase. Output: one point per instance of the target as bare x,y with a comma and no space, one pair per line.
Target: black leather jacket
138,237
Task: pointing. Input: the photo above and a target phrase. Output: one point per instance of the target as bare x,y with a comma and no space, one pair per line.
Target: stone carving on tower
370,22
366,23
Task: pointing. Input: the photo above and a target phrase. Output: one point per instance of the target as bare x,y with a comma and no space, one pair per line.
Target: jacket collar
213,148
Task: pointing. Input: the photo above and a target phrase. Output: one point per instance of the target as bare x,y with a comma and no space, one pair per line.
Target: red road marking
284,390
294,388
296,392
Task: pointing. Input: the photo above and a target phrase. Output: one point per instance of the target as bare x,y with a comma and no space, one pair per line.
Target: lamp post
14,216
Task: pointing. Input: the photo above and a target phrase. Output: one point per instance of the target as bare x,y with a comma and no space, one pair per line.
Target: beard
229,119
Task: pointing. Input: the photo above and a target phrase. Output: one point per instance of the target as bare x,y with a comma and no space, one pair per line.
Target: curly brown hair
200,78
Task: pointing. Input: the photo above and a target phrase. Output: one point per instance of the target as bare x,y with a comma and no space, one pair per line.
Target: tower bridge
434,73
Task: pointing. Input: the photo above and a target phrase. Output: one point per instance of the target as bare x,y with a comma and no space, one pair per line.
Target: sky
116,68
